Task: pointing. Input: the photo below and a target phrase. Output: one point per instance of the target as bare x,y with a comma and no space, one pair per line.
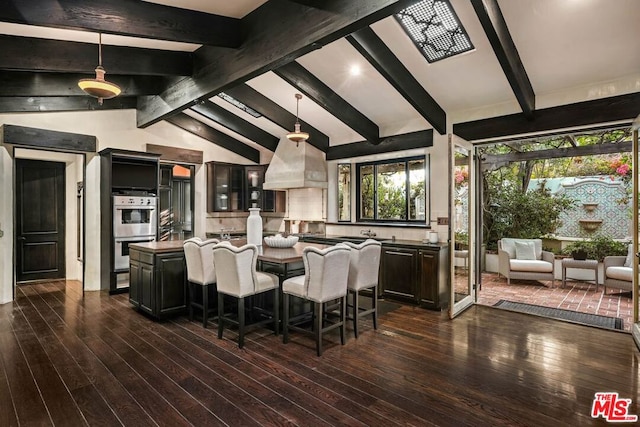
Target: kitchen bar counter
157,273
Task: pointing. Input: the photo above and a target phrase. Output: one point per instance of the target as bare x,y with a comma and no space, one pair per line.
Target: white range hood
303,166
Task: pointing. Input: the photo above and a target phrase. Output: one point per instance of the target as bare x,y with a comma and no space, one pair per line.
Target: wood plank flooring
69,360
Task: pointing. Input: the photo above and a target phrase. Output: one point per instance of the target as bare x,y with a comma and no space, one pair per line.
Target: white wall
6,225
113,129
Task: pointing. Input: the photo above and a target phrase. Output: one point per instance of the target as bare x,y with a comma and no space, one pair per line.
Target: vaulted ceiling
537,65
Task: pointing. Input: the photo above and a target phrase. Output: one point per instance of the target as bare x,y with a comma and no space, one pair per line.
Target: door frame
457,307
635,328
83,155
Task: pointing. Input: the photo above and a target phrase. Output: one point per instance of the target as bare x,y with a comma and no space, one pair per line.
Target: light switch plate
443,220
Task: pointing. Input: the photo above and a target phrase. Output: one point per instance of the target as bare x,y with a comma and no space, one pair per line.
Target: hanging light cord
100,49
298,97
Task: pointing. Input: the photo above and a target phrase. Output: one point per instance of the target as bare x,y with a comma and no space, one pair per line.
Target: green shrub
598,247
529,215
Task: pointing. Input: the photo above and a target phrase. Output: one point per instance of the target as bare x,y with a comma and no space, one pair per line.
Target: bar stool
325,279
200,271
364,267
237,277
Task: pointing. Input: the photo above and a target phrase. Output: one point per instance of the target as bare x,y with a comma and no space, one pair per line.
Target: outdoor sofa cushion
620,273
525,250
534,266
629,259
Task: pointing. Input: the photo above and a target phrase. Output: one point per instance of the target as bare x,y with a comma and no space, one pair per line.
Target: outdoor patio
576,296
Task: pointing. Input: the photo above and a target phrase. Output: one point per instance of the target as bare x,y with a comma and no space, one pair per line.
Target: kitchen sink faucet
225,233
368,233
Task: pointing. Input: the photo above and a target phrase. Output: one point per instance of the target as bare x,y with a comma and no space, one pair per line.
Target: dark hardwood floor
69,360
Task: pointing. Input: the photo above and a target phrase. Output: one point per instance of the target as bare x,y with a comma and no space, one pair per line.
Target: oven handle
149,208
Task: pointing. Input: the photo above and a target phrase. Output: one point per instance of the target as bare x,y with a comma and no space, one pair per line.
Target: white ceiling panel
261,122
215,125
89,37
368,92
231,8
283,94
460,82
571,43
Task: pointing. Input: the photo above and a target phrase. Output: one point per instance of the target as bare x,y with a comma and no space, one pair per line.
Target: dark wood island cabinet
157,278
410,271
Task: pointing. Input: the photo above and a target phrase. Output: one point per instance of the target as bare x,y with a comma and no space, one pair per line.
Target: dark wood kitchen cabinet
225,187
434,278
399,273
157,278
236,188
122,172
418,274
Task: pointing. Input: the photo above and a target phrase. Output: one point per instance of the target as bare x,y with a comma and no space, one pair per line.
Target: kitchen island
158,279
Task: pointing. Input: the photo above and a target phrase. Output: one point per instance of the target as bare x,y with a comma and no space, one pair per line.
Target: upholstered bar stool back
325,280
237,277
364,267
200,273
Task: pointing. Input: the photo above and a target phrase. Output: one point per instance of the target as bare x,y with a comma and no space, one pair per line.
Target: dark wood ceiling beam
299,77
238,125
389,144
374,50
44,138
46,104
278,115
268,45
495,27
556,153
29,53
221,139
586,113
22,83
127,18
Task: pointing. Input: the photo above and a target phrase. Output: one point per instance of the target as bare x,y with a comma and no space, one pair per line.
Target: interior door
462,228
635,330
40,220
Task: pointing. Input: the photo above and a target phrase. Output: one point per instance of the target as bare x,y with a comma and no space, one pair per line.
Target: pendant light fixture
297,135
99,87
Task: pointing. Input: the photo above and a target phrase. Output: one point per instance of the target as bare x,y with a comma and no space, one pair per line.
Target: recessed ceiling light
355,70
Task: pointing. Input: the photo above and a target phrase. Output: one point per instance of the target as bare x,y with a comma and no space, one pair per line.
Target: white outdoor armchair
524,259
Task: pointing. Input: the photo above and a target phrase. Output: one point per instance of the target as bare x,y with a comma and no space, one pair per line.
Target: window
344,192
393,190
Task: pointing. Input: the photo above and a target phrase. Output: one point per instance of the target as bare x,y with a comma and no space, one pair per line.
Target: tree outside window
393,190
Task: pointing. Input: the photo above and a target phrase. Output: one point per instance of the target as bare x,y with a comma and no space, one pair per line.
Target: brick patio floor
577,296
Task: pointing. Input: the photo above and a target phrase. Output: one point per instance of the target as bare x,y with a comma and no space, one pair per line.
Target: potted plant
579,250
462,240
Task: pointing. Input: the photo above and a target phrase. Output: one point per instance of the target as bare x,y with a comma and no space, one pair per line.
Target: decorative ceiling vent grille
435,29
231,100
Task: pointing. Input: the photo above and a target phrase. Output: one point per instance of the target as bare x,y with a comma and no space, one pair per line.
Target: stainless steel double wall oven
135,220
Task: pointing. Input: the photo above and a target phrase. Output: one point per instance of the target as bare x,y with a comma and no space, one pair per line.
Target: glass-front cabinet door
225,187
254,178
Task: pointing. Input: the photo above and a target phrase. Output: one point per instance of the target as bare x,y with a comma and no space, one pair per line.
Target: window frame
406,161
350,198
